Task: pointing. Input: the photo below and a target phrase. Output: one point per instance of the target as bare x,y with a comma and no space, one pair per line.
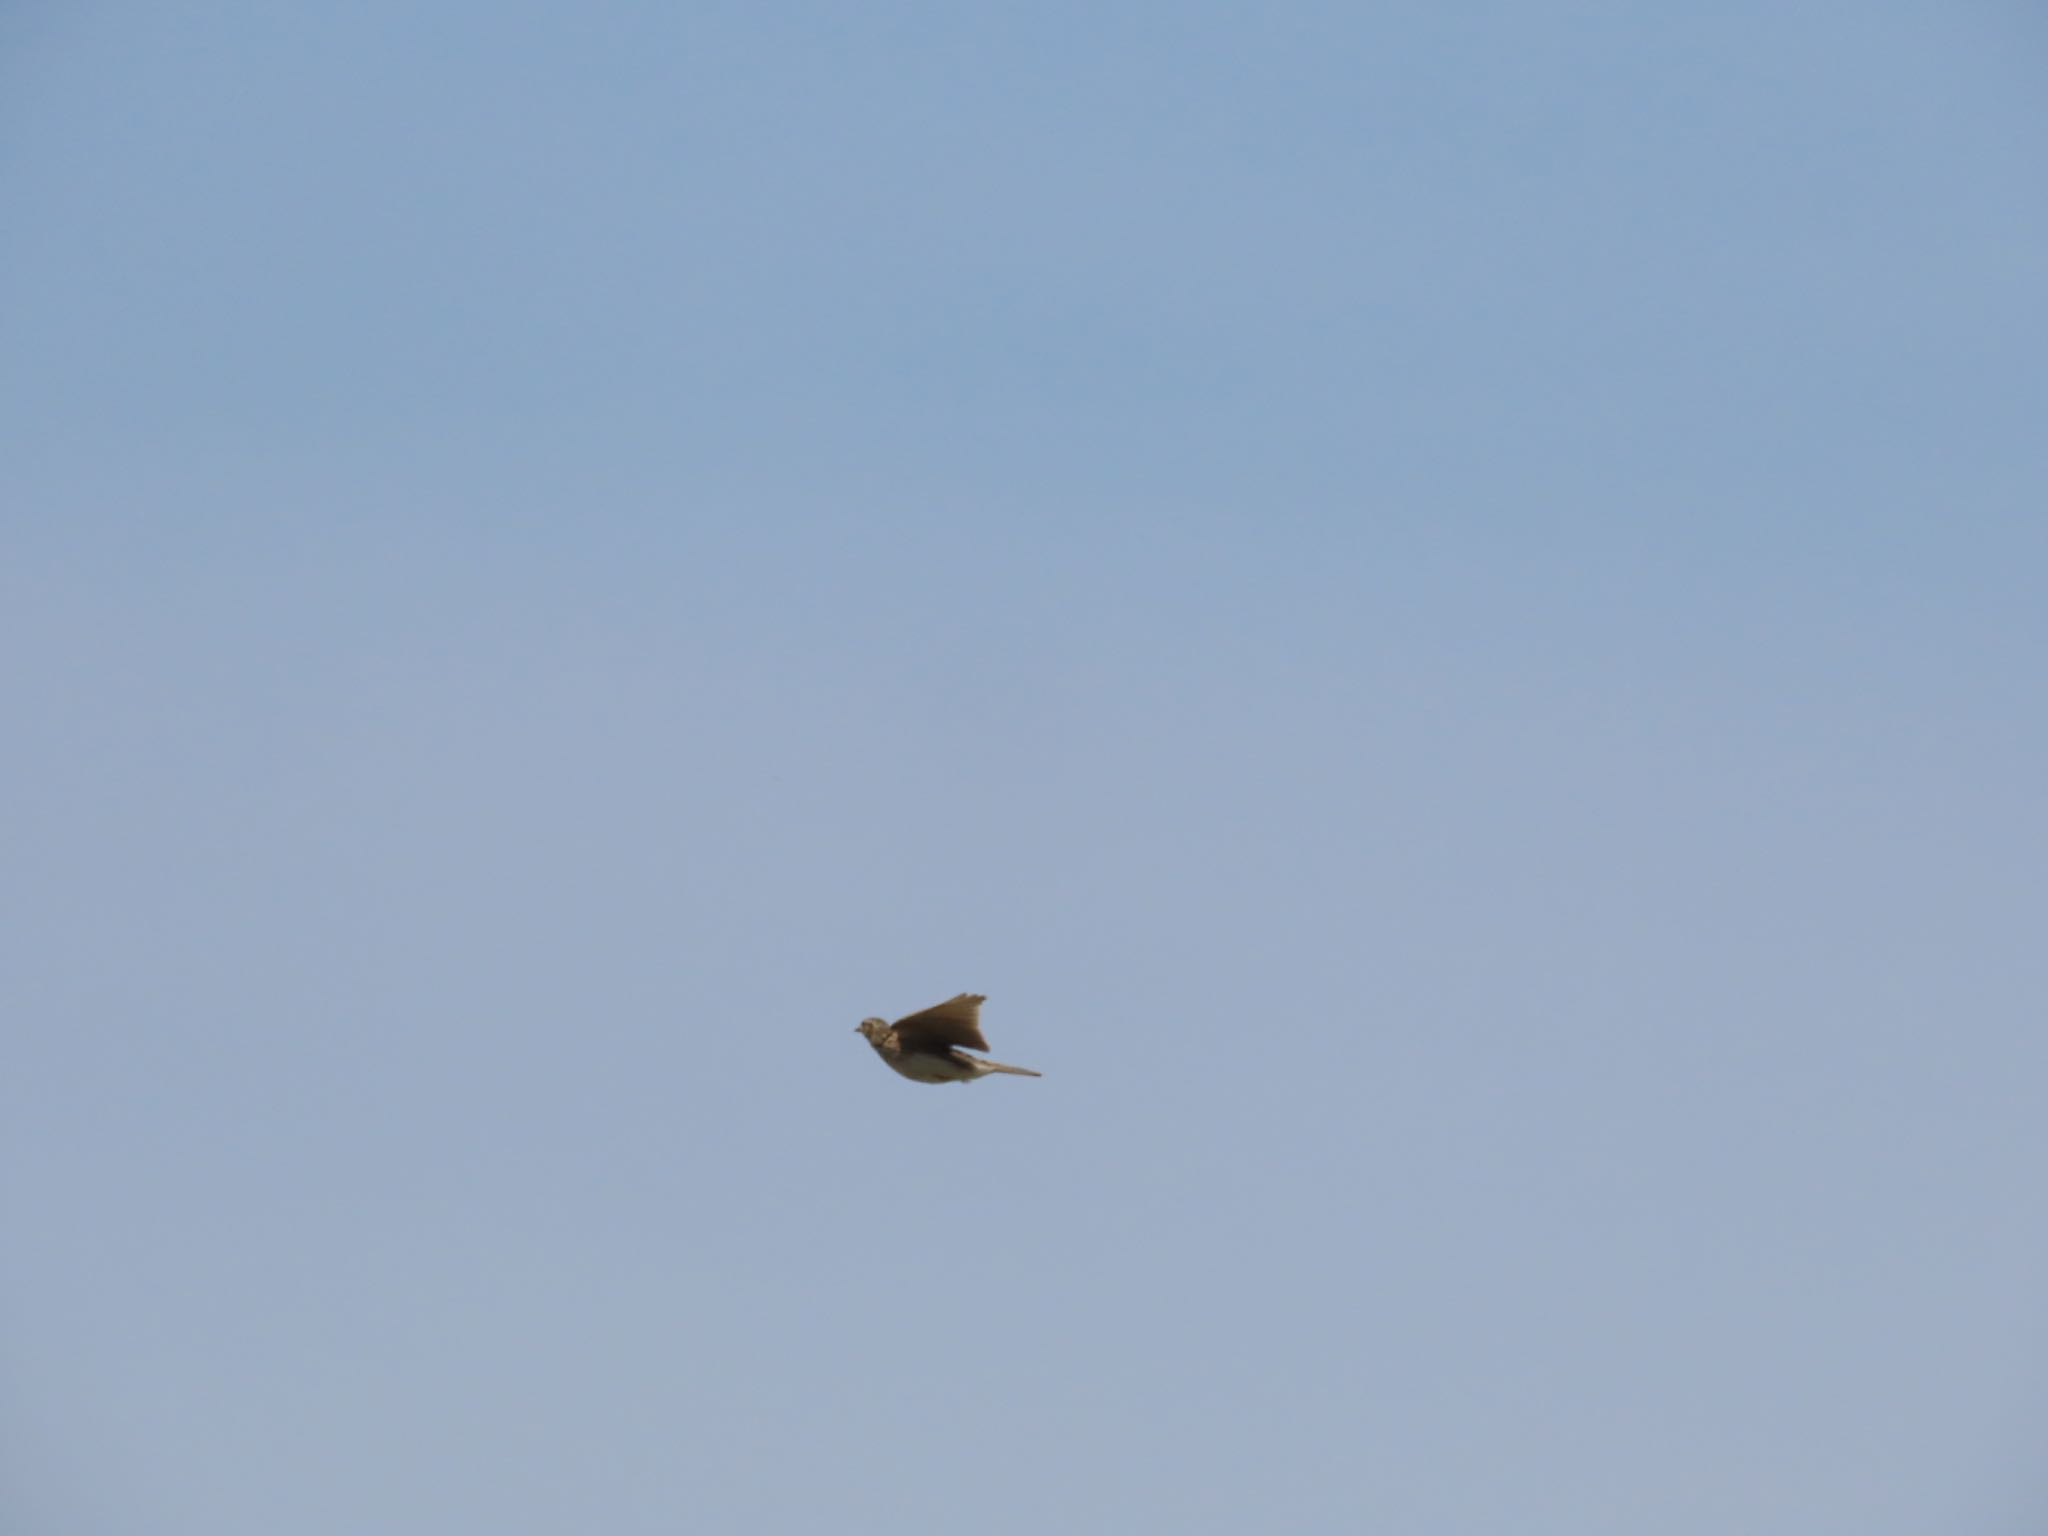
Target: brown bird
925,1047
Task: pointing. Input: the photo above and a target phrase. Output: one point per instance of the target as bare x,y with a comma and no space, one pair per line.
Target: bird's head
870,1027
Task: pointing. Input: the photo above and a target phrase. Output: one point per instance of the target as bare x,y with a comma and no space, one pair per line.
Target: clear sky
1447,606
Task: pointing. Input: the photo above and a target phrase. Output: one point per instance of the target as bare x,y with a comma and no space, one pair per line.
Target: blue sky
1443,606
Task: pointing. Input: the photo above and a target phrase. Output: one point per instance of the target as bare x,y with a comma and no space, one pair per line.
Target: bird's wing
955,1022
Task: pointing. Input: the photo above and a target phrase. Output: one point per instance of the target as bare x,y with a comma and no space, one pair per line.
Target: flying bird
925,1047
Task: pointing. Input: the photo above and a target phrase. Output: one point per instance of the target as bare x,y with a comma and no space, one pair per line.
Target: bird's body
926,1047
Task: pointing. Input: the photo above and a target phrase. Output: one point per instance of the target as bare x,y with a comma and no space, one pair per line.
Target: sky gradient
1447,609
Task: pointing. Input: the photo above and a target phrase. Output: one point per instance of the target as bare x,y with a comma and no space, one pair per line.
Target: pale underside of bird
927,1047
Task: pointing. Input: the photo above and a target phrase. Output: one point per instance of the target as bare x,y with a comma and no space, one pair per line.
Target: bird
925,1047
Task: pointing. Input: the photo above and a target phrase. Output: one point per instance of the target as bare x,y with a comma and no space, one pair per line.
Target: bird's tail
1000,1066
